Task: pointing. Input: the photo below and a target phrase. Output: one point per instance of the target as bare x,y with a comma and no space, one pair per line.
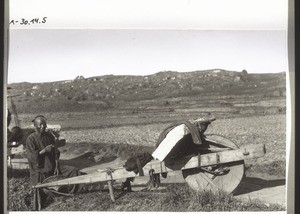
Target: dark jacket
44,163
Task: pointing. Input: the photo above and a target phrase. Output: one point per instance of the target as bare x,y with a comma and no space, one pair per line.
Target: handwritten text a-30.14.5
28,22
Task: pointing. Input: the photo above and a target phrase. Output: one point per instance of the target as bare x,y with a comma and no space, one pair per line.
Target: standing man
43,156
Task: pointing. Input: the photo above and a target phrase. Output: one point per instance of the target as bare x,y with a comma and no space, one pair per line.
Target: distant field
143,129
153,112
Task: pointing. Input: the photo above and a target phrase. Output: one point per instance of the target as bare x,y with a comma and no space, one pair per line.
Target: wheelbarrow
217,164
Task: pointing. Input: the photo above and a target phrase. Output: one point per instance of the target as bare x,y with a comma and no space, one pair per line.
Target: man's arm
46,149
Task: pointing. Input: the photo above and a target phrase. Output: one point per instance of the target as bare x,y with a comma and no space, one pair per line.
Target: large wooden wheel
222,177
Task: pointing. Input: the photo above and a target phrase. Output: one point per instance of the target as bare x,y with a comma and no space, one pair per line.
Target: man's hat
38,117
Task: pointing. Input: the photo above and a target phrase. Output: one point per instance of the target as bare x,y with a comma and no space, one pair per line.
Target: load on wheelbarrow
206,161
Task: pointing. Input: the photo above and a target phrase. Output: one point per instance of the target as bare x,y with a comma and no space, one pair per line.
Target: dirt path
269,189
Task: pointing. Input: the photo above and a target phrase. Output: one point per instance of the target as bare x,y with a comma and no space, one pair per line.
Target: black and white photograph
148,106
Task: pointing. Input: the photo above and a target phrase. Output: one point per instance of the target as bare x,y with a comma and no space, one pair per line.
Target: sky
52,55
144,37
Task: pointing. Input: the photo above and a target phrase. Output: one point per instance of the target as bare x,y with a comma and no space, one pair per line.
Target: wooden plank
19,163
227,156
19,150
19,160
111,191
55,128
35,200
39,200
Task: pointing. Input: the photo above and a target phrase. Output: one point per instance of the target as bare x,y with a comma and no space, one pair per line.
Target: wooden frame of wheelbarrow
98,174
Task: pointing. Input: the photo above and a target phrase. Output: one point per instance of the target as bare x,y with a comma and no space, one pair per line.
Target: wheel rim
203,180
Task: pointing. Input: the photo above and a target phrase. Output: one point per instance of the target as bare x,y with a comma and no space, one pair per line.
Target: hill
163,90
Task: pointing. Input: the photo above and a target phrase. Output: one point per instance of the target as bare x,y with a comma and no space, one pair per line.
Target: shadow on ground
251,184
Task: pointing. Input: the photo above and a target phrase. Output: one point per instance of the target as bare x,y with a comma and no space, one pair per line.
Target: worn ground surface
264,179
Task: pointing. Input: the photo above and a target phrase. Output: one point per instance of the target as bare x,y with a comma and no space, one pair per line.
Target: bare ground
264,178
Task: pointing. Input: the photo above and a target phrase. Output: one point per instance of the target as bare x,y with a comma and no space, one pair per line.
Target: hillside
167,89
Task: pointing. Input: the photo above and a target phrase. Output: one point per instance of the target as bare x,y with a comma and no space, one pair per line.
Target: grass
274,168
19,190
183,198
174,198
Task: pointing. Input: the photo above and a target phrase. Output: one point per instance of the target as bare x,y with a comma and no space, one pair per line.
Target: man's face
40,125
